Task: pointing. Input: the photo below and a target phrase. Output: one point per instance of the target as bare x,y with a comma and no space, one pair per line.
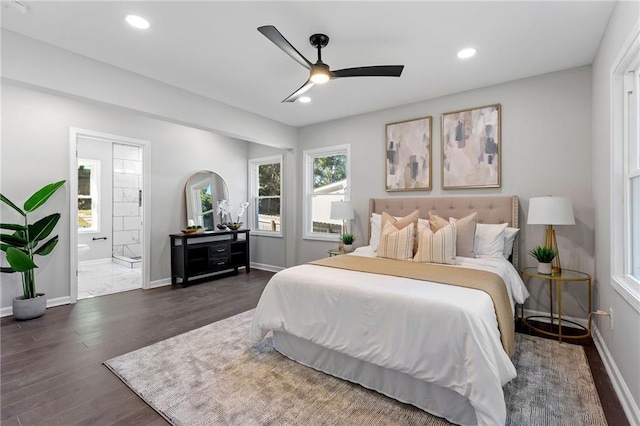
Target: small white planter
348,248
544,268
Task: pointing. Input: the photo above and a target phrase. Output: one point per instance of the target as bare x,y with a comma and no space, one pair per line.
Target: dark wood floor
51,367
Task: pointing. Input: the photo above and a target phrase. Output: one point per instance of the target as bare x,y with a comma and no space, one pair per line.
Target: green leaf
7,270
47,247
12,226
42,195
19,261
42,228
13,240
10,204
4,247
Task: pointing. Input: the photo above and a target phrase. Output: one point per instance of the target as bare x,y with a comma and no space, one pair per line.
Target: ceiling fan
320,72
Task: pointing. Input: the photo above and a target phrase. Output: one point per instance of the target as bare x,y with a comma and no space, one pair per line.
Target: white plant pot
348,248
544,268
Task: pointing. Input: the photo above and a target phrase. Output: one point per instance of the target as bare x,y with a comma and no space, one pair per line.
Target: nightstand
334,252
566,276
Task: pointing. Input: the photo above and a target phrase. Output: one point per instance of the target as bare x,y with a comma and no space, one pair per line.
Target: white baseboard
160,283
619,385
58,301
265,267
545,318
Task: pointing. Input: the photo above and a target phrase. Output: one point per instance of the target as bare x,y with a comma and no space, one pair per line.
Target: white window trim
627,286
254,163
94,186
307,158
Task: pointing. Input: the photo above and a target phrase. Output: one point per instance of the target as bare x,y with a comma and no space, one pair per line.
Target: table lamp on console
551,210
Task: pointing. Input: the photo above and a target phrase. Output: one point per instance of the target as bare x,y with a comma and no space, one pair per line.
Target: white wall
31,62
99,150
623,342
35,151
546,149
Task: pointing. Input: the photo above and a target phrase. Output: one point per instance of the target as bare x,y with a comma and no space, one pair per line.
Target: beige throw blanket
488,282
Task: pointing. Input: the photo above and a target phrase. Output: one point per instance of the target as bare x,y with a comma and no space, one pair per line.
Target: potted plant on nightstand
26,241
347,240
544,256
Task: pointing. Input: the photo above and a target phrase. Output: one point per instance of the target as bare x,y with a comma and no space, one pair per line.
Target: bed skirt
434,399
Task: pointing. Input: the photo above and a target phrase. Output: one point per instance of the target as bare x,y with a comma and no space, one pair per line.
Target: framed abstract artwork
471,148
408,155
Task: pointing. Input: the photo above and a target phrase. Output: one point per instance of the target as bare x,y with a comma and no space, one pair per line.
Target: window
632,172
88,184
326,179
625,174
266,194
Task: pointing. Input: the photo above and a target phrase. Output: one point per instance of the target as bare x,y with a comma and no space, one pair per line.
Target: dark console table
201,257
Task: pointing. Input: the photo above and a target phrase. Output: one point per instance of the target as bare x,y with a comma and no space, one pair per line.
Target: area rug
210,376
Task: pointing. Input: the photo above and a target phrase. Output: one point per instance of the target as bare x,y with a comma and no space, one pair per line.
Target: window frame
625,78
254,185
94,194
307,157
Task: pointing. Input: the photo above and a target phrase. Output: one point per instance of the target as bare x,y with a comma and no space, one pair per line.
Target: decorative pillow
465,234
436,222
376,228
396,243
509,237
489,240
465,231
438,247
401,222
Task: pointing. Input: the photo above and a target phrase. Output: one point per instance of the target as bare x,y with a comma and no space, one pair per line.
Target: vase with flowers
224,210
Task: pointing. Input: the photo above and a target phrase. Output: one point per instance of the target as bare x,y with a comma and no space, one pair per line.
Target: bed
432,345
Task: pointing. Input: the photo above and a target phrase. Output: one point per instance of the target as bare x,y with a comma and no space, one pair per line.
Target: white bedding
438,333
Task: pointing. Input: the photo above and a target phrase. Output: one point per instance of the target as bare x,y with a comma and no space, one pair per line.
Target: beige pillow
438,247
411,218
396,243
436,222
465,231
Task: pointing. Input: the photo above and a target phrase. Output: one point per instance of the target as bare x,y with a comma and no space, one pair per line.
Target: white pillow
509,237
376,223
489,240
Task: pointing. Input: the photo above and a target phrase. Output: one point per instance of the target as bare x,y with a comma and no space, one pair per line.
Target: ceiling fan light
319,77
305,99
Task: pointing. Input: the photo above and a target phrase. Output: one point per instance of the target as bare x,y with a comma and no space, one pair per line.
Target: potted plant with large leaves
22,245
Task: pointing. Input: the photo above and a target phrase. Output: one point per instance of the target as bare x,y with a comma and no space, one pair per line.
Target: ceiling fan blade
294,96
374,71
272,33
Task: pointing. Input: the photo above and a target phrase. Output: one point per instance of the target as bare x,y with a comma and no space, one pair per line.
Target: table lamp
341,210
551,211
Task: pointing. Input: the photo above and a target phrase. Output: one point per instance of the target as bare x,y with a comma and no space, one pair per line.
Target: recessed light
137,22
466,53
305,99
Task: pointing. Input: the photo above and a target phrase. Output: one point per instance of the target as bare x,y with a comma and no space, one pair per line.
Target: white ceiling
213,48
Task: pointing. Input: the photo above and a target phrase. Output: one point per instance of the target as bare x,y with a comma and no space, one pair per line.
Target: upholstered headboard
490,210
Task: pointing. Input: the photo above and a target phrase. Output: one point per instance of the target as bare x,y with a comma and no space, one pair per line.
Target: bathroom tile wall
127,184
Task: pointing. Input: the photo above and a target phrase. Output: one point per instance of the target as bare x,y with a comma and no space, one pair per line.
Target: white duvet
438,333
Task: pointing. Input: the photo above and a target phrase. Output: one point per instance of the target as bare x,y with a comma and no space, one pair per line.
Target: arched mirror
203,190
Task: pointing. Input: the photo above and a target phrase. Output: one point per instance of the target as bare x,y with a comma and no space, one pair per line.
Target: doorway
109,218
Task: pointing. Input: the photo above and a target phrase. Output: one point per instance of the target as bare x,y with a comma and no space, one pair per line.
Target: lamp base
551,242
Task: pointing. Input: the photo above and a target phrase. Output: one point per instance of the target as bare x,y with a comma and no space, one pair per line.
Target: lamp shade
341,210
550,211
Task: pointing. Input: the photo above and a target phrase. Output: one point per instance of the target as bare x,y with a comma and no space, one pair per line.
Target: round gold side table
566,275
